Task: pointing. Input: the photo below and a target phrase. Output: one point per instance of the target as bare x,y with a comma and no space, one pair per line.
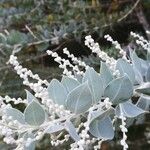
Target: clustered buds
85,107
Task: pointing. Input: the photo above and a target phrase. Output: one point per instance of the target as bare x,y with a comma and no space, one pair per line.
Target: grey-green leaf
137,66
144,88
78,77
79,100
32,144
95,83
57,92
15,114
148,55
144,102
100,114
30,97
54,128
136,61
102,128
34,114
69,83
119,90
16,37
105,74
129,110
71,130
125,68
148,74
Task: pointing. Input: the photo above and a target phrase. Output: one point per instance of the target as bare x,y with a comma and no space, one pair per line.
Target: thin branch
129,12
26,26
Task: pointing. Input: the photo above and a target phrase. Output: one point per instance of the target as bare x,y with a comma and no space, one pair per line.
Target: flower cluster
141,41
110,61
74,59
117,46
78,107
64,63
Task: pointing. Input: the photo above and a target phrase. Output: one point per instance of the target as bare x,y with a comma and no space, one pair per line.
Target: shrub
84,105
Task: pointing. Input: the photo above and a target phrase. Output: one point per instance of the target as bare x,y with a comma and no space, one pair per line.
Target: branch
129,12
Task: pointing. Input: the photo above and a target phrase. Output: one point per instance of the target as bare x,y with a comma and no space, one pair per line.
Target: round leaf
105,74
34,114
129,110
69,83
57,92
102,128
119,90
15,114
30,97
125,68
79,100
95,83
144,88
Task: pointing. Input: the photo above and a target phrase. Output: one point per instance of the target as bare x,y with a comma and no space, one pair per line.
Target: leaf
148,55
136,61
148,74
30,97
15,114
69,83
57,92
16,37
105,74
54,128
42,46
119,90
71,130
125,68
138,76
139,67
78,77
144,88
102,128
79,100
144,102
34,114
129,110
145,65
32,144
95,83
101,114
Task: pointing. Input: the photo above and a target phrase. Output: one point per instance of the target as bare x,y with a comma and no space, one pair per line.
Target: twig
26,26
34,58
129,12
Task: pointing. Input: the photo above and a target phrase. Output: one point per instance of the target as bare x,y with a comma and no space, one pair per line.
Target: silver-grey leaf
125,68
128,110
144,88
34,114
79,100
105,74
102,128
144,102
71,130
119,90
95,83
101,114
148,75
69,83
54,128
15,114
57,92
30,97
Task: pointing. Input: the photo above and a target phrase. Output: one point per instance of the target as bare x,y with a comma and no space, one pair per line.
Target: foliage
35,26
84,105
